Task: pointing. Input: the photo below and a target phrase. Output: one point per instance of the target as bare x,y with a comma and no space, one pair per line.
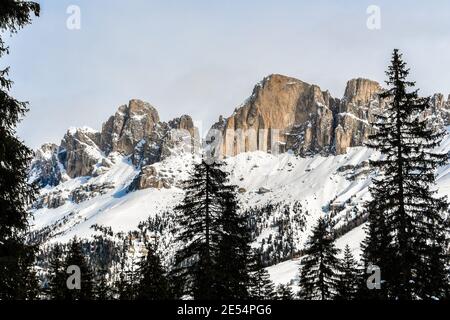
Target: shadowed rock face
355,114
130,124
45,169
79,151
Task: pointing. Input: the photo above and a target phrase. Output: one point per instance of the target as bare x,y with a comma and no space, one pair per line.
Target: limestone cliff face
79,151
288,114
278,115
355,113
284,114
359,92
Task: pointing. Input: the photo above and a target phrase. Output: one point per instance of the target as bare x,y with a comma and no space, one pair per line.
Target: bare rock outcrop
180,136
86,192
46,169
136,130
282,113
151,178
79,151
355,113
130,127
440,109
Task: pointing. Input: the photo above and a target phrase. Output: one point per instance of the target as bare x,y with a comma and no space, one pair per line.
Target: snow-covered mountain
131,170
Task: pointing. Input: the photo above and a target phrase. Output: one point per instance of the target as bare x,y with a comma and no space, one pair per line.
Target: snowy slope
287,272
312,181
333,185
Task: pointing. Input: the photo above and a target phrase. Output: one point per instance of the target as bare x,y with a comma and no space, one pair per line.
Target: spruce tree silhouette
153,284
407,233
75,257
17,279
212,234
56,274
319,268
347,285
261,286
234,258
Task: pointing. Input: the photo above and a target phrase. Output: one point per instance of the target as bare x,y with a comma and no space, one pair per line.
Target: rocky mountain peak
282,114
129,125
134,131
139,108
285,113
79,151
360,91
45,169
279,107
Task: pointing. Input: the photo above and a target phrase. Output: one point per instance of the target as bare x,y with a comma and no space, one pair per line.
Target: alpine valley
116,182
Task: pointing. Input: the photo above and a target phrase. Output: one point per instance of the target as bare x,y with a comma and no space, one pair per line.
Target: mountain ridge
132,169
282,114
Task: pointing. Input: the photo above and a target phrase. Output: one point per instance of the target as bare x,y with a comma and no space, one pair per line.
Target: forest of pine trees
218,253
407,231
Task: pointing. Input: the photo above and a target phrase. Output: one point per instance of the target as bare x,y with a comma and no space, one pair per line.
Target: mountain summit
285,113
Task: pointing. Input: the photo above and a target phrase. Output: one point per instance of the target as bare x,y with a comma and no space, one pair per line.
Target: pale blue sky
203,57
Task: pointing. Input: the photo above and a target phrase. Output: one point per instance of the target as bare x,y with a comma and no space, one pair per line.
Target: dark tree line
215,260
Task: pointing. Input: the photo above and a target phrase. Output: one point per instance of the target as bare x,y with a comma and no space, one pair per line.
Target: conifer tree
284,292
376,252
124,287
261,286
319,268
404,205
347,285
75,257
56,274
17,278
102,290
204,214
233,260
153,283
